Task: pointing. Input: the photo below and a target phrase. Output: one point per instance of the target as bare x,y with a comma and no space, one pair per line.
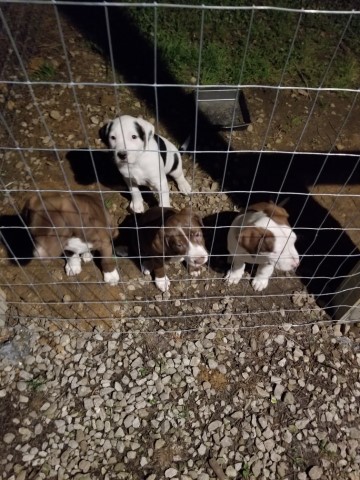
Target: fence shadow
329,251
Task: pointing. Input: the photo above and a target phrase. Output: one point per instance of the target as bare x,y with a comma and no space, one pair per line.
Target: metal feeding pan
224,107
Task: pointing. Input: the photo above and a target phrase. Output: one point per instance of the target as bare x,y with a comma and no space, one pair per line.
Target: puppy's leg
178,176
146,267
73,265
262,276
87,257
108,264
162,188
236,272
162,281
136,204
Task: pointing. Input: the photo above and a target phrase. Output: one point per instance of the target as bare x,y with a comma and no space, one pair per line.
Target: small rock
170,472
354,433
8,437
214,425
55,115
257,469
278,391
289,398
321,358
315,473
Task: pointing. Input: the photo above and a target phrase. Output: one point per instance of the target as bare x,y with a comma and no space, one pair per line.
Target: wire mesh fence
286,132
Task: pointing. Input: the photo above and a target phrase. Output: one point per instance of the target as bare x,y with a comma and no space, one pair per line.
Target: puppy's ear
190,212
104,133
256,240
145,130
160,243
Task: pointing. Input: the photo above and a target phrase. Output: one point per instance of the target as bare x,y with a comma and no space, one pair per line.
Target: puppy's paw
184,187
87,257
112,278
233,277
73,267
137,207
162,283
195,273
260,283
145,268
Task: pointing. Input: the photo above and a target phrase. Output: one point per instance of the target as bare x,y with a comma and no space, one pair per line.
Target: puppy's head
128,136
271,237
183,237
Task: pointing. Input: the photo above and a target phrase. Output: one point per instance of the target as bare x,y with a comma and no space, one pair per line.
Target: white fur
196,255
81,251
112,278
162,283
139,160
284,256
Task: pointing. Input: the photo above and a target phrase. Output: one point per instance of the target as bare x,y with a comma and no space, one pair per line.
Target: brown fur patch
276,213
256,240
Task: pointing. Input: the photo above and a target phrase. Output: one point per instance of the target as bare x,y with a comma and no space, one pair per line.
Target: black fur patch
176,162
162,147
104,133
140,131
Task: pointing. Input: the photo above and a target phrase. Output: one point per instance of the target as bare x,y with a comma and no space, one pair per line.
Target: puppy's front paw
73,268
137,207
260,283
87,257
184,187
233,277
146,268
195,273
162,283
112,278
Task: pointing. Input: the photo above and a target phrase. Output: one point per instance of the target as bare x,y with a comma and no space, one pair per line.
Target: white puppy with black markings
261,236
143,159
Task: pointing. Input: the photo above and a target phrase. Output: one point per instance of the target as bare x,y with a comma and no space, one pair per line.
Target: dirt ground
50,141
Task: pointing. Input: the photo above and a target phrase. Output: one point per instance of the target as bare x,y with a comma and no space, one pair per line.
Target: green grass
245,471
44,73
36,383
227,57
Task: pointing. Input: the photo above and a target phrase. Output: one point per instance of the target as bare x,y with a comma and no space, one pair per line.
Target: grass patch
45,72
232,46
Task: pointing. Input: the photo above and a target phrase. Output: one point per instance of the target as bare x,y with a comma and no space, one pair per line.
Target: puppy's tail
122,251
283,202
185,145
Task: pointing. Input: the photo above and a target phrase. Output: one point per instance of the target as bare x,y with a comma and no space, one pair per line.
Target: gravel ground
217,403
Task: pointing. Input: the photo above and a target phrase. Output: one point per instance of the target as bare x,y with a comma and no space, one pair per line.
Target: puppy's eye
133,137
112,137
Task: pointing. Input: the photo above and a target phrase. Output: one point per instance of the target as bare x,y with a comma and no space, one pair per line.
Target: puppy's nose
295,262
122,155
200,260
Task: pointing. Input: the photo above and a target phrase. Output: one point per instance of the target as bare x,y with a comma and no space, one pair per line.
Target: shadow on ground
16,239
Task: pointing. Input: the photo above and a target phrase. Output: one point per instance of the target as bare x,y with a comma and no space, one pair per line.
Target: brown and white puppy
165,234
77,223
261,236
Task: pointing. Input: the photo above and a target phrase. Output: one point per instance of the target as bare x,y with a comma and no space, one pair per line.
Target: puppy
77,223
261,236
164,234
143,158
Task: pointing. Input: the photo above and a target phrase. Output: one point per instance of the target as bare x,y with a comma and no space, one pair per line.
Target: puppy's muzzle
121,155
198,261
